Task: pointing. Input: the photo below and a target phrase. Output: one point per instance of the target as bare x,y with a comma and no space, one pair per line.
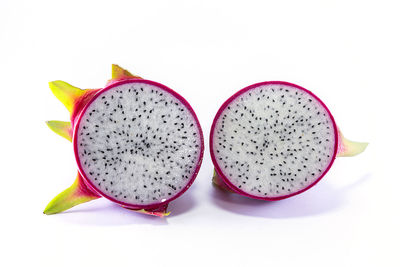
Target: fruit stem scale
76,194
218,182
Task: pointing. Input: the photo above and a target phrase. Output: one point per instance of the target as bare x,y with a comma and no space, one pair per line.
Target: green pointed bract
73,98
347,148
66,93
159,212
154,213
76,194
62,128
118,73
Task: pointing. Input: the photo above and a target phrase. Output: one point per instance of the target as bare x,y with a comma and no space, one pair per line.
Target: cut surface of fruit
138,143
273,140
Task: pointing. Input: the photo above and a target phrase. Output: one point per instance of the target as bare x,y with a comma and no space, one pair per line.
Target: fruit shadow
104,213
322,198
182,204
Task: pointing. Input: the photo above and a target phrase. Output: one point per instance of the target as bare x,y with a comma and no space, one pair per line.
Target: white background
346,52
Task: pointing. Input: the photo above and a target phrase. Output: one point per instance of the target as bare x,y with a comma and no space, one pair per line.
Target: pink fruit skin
81,102
82,107
222,108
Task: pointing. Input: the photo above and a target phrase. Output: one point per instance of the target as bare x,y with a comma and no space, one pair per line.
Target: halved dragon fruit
274,140
136,143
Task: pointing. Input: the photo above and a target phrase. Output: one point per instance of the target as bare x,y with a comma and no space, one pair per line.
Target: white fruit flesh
273,140
138,144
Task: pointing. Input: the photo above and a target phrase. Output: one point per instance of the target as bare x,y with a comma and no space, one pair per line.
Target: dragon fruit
274,140
136,143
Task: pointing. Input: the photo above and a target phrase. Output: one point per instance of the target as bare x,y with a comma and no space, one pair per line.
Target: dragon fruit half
136,143
274,140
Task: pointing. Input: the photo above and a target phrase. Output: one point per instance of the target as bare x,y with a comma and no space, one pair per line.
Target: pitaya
136,143
274,140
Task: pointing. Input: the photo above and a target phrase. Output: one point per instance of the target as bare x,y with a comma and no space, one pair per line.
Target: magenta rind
222,108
